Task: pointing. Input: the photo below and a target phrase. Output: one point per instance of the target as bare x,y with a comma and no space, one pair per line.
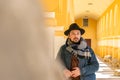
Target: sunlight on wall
108,32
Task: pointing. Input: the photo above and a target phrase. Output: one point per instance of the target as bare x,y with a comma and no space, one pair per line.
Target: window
85,22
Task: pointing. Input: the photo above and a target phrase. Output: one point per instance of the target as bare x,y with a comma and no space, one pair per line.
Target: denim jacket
88,66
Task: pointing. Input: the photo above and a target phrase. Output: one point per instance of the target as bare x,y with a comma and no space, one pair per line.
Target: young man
78,58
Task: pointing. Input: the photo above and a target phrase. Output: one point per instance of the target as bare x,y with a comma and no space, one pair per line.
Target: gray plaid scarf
79,49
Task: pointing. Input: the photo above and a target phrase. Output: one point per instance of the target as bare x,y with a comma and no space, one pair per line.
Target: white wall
55,41
59,41
50,33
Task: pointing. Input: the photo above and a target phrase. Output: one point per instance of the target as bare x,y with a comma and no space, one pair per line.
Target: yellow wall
64,10
108,32
90,31
64,13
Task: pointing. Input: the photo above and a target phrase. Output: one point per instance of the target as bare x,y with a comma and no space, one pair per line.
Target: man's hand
67,73
75,72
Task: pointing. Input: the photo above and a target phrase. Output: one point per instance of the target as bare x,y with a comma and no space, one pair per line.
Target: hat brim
82,31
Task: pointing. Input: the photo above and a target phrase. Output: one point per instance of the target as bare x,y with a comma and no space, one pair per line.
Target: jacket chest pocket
83,62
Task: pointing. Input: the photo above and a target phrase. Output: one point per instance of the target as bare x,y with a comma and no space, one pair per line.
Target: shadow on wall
24,43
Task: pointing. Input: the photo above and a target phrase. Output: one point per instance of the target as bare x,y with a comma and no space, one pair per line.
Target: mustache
75,38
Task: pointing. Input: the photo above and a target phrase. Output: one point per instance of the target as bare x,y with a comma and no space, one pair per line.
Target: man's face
74,35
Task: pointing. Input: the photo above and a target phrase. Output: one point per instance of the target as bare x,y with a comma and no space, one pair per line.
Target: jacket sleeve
92,67
60,57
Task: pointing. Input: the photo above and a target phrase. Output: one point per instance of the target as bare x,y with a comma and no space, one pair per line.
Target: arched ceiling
90,8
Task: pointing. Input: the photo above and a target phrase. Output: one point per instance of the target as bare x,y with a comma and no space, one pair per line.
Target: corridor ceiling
90,8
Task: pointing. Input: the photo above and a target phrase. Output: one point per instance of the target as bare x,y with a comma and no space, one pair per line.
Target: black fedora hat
74,26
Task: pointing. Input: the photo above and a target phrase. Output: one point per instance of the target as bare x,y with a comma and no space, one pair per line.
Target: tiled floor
105,72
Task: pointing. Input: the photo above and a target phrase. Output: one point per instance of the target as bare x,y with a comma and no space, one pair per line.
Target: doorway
88,42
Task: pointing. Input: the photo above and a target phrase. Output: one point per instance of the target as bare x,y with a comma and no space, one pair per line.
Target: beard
75,40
